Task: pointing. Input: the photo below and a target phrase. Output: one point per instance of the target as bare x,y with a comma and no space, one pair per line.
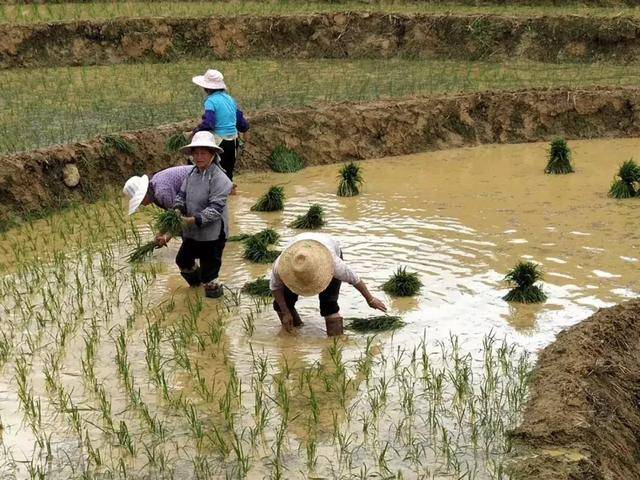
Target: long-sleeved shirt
165,185
222,116
341,270
203,195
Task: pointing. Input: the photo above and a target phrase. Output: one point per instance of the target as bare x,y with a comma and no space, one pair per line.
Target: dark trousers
328,299
209,254
228,157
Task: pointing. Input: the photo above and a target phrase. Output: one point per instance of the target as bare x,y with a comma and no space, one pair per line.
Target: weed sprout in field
312,220
350,180
271,201
625,185
284,160
403,283
523,278
559,158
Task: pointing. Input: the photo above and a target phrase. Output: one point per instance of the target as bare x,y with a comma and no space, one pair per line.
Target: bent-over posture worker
312,264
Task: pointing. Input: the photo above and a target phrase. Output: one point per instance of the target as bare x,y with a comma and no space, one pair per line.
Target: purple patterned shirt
166,184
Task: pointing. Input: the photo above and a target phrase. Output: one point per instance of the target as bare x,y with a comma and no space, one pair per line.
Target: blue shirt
224,107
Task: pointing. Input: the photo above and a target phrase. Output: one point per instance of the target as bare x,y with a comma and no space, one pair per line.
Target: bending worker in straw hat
312,264
161,190
202,200
221,116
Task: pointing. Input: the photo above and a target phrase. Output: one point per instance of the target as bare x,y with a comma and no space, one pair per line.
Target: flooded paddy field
114,371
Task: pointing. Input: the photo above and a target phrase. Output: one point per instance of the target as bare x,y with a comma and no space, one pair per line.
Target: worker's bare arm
372,301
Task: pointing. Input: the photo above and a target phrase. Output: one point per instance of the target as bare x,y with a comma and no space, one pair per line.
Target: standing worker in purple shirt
221,116
161,190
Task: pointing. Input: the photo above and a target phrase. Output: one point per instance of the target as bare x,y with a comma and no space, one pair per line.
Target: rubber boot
192,277
213,290
334,326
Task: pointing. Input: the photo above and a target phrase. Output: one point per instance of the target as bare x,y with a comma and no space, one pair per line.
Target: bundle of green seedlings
283,160
350,180
402,283
166,221
523,277
115,143
268,235
259,287
312,220
256,249
175,142
625,185
271,201
559,158
378,323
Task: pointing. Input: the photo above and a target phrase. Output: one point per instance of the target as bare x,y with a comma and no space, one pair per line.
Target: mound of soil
582,419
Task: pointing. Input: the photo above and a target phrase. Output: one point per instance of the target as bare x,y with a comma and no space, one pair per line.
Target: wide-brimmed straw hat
136,189
203,139
306,267
211,80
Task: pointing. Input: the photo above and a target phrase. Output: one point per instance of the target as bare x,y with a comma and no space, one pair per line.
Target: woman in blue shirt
221,116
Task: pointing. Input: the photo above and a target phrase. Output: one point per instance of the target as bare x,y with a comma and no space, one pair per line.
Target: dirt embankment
582,420
32,182
336,35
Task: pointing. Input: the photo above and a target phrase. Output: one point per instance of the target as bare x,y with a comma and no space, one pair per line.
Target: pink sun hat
211,80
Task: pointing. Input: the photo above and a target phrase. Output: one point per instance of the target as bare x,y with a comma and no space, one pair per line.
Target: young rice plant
350,180
312,220
559,158
625,185
271,201
523,277
283,160
403,283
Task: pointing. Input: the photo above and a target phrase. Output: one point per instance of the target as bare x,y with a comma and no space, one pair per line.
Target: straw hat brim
306,267
201,81
136,200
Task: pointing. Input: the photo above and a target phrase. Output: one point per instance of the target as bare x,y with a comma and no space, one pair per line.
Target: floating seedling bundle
402,283
559,158
256,249
283,160
271,201
268,235
523,277
625,185
259,287
175,142
350,180
380,323
312,220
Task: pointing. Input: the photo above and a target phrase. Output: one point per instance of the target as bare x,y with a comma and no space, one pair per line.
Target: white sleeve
275,283
343,272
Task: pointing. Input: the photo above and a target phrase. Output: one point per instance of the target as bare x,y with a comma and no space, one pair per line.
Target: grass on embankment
90,101
97,11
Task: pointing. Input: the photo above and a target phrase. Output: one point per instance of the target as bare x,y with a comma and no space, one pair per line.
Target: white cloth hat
212,80
203,139
136,189
306,267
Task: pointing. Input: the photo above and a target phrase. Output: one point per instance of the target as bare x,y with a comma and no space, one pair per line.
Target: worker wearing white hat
312,264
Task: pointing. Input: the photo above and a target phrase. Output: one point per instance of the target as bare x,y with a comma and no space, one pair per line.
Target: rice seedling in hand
312,220
350,180
271,201
115,143
169,221
402,283
625,185
378,323
283,160
259,287
523,277
141,252
257,251
175,142
559,158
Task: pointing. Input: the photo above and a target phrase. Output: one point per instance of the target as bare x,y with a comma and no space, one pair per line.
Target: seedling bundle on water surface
402,283
256,249
271,201
312,220
269,235
350,180
559,158
628,177
283,160
524,276
378,323
259,287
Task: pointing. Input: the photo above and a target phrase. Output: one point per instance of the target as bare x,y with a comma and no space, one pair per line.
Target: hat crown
133,186
213,75
306,267
205,137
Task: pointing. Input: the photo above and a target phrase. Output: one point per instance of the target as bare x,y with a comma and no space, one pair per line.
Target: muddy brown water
460,218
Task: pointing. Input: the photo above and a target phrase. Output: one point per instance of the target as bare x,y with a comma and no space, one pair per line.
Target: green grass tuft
312,220
271,201
175,142
625,185
169,221
256,249
283,160
115,143
523,278
259,288
379,323
402,283
559,158
350,180
142,252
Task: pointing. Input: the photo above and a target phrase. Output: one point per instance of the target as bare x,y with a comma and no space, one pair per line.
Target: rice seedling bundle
175,142
256,250
141,252
523,277
238,238
271,201
378,323
559,158
350,180
169,221
625,185
283,160
312,220
115,143
259,287
269,235
402,283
